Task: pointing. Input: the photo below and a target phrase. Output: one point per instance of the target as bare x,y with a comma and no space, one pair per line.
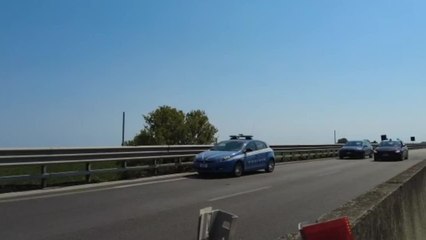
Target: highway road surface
268,204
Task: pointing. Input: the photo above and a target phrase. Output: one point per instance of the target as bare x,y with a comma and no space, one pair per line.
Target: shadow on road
210,176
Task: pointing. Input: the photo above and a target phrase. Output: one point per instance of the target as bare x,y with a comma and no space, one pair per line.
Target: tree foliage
169,126
198,129
342,140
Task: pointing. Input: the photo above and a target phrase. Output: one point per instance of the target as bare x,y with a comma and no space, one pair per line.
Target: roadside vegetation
170,126
163,126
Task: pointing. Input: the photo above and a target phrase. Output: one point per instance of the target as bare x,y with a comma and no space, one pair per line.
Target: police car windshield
229,146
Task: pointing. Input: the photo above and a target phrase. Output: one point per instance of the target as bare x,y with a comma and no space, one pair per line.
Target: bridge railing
126,159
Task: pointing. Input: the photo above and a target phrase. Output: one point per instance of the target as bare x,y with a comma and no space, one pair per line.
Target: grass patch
73,168
21,170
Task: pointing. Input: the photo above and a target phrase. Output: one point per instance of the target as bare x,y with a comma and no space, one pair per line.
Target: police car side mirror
248,150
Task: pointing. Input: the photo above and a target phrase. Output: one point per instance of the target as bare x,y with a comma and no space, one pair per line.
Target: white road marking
148,183
47,196
329,173
15,199
239,193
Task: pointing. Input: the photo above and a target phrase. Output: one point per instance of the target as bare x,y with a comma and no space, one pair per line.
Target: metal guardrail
151,158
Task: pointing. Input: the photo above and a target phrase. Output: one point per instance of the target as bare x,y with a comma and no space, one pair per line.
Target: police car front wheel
238,169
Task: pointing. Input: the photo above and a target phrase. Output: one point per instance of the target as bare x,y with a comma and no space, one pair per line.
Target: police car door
262,154
250,156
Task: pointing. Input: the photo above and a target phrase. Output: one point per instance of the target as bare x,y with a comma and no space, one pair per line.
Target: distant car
239,154
356,149
391,150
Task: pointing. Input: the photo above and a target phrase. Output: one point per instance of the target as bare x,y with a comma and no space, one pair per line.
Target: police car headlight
226,158
398,151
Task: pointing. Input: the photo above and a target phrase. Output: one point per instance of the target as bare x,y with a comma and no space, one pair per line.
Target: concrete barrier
394,210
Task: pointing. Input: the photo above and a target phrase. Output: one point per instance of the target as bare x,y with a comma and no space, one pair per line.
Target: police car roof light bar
239,136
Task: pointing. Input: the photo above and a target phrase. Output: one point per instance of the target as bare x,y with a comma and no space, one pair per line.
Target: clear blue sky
289,72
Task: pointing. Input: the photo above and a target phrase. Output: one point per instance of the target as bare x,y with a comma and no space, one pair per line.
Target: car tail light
337,229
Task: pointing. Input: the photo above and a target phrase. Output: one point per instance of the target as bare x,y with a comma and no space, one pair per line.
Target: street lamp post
122,130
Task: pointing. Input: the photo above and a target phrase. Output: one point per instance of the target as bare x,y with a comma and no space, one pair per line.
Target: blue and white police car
239,154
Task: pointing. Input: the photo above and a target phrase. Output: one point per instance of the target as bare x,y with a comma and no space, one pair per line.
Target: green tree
198,129
169,126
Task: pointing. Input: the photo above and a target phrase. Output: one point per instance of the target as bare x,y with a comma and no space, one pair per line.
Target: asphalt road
268,204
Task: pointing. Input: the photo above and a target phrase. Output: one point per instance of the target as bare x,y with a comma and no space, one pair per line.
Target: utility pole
122,131
334,136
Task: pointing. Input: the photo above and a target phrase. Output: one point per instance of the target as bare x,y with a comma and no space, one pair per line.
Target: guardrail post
124,175
124,165
178,163
88,172
155,166
43,182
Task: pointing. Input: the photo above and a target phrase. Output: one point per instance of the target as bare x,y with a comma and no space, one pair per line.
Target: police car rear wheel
238,169
271,166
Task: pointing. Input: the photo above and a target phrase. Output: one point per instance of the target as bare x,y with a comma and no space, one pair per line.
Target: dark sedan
356,149
391,150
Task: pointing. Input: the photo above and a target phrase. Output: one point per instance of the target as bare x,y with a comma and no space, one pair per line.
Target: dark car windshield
390,144
354,143
229,146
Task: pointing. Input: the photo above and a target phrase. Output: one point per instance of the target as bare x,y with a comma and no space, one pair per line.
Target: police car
239,154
